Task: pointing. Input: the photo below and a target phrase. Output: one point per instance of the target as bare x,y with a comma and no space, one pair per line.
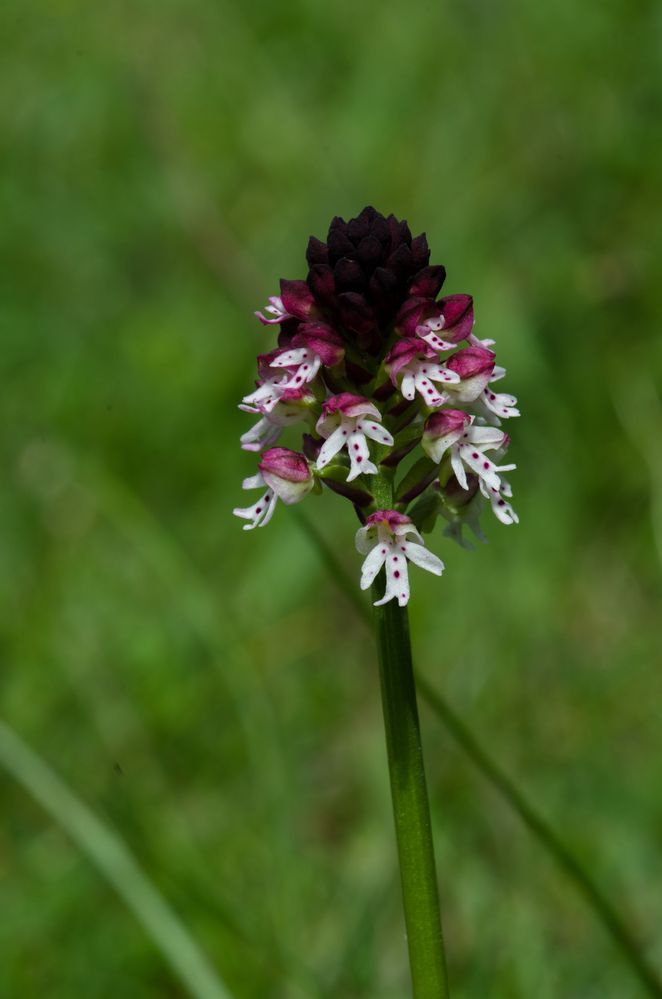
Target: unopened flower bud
287,473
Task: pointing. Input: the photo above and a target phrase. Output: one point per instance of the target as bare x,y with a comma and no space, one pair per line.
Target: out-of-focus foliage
209,692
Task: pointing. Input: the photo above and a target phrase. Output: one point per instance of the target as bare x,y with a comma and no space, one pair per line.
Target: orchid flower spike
372,365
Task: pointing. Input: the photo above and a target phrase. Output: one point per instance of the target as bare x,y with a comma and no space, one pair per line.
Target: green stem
410,805
409,792
605,912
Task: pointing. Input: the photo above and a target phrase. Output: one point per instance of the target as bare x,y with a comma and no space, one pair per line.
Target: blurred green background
210,693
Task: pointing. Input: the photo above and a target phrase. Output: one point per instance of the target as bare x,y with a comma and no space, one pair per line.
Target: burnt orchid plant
395,395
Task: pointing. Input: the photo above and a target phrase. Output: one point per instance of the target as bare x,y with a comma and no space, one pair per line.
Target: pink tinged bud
297,298
474,365
427,283
287,473
442,429
458,315
402,353
411,314
447,421
323,340
472,361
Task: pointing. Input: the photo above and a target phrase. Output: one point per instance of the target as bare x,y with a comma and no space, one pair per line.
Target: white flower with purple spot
502,405
314,345
453,430
288,478
498,404
412,363
270,386
422,316
290,407
454,315
346,421
499,498
276,310
383,540
303,363
294,302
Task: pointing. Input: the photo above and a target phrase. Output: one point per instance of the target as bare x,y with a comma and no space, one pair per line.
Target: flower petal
263,433
375,431
359,456
365,539
421,556
397,581
332,446
458,467
372,564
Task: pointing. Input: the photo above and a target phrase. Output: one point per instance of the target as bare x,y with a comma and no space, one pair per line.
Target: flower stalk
374,365
411,810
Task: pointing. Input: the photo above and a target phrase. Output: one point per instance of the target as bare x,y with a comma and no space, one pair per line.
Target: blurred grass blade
510,793
112,858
